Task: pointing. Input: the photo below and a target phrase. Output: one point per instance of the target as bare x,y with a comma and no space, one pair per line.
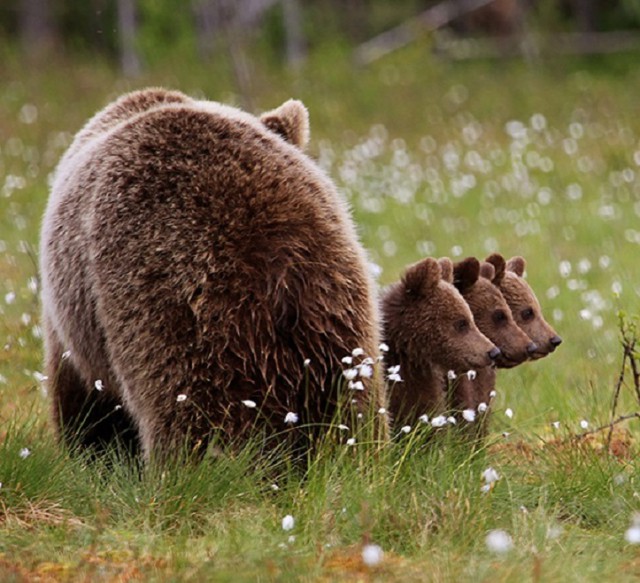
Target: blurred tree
207,26
296,49
38,30
585,11
127,26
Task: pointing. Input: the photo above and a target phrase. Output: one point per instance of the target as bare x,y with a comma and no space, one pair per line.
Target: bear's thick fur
430,330
493,317
192,259
525,307
492,314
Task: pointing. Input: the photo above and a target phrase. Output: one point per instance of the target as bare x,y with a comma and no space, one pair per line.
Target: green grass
436,158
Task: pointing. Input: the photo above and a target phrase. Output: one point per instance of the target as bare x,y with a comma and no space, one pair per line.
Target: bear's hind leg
84,417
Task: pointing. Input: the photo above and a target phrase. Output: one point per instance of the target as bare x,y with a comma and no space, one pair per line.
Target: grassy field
436,158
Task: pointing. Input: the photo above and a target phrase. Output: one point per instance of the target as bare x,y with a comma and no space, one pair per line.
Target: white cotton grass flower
584,424
66,354
288,522
372,555
350,373
181,398
469,415
482,407
351,441
451,420
343,427
554,531
275,487
40,377
405,429
490,475
99,385
555,424
492,394
619,479
632,534
382,411
383,347
499,541
394,374
25,452
356,385
471,375
9,298
347,360
439,421
424,418
366,371
249,403
357,352
509,412
451,375
291,418
306,362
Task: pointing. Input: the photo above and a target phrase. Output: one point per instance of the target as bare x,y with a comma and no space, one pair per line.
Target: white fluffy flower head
499,541
372,555
290,418
288,522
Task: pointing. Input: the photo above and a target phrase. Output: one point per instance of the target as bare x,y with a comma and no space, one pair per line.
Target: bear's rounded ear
421,277
466,273
487,270
446,269
499,265
517,265
290,121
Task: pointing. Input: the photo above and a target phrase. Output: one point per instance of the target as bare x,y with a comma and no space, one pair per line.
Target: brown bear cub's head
427,322
525,306
492,314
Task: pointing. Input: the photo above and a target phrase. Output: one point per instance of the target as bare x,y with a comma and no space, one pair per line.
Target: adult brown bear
200,276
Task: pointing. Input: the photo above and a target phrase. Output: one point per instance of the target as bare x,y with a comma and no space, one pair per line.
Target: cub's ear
517,265
290,121
488,271
499,265
466,273
420,278
446,269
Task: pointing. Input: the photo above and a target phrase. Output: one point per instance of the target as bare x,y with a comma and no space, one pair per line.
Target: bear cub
430,330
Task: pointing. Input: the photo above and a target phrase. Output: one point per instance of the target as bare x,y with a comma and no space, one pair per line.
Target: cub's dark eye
527,314
499,317
461,325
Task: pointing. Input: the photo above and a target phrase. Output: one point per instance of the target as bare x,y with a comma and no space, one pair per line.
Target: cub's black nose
555,341
531,347
494,353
